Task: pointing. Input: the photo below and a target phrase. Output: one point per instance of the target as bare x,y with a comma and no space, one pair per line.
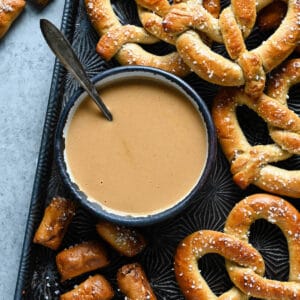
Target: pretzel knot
251,164
244,264
233,26
122,41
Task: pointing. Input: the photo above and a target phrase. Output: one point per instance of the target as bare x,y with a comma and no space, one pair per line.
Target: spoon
64,52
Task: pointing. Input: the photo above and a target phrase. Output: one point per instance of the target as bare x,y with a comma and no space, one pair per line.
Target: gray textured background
26,66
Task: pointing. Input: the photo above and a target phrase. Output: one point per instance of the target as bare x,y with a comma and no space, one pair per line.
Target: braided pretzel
235,24
277,211
122,41
196,245
151,13
251,164
243,263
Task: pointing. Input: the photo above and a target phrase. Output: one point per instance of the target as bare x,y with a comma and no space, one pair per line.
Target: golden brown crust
127,241
235,24
94,288
129,52
9,11
196,245
57,217
280,83
81,258
277,211
251,164
133,283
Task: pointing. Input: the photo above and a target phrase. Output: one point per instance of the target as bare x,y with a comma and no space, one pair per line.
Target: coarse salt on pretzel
277,211
278,87
234,25
128,52
127,241
196,245
133,282
9,11
252,164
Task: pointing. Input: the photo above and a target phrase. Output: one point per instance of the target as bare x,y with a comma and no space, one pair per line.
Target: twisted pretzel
277,211
121,41
235,24
287,76
243,263
251,164
196,245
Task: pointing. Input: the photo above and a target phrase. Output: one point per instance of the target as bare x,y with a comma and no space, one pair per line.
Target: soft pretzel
57,217
151,13
81,258
127,241
128,52
196,245
9,11
277,211
278,87
94,288
251,164
234,25
133,283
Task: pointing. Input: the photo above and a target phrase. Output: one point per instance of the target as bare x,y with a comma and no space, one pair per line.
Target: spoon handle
64,52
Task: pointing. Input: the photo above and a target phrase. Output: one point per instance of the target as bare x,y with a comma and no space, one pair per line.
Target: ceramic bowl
112,76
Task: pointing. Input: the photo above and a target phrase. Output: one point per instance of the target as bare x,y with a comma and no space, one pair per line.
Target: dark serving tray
38,277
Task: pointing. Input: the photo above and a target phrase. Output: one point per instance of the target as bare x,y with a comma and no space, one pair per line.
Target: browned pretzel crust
94,288
9,11
196,245
243,263
277,211
251,164
133,283
57,217
81,258
278,87
128,51
234,25
127,241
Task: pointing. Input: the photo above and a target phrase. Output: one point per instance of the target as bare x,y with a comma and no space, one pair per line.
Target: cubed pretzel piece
252,164
127,241
9,11
81,258
94,288
57,217
235,23
133,283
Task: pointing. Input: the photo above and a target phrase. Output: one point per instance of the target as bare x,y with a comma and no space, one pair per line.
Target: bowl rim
95,208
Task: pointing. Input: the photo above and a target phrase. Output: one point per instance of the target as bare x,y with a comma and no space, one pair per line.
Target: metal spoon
64,52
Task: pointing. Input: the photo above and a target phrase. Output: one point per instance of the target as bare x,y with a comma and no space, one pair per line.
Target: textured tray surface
38,278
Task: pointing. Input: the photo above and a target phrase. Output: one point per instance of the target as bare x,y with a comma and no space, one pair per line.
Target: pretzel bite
81,258
94,288
126,241
57,217
9,11
133,283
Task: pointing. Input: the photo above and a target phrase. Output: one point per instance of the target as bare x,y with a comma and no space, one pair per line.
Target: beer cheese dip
148,158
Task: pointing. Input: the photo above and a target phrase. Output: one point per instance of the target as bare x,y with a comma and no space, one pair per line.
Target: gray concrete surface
26,66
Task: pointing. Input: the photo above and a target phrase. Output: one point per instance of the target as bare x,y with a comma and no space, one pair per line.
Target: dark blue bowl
110,76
